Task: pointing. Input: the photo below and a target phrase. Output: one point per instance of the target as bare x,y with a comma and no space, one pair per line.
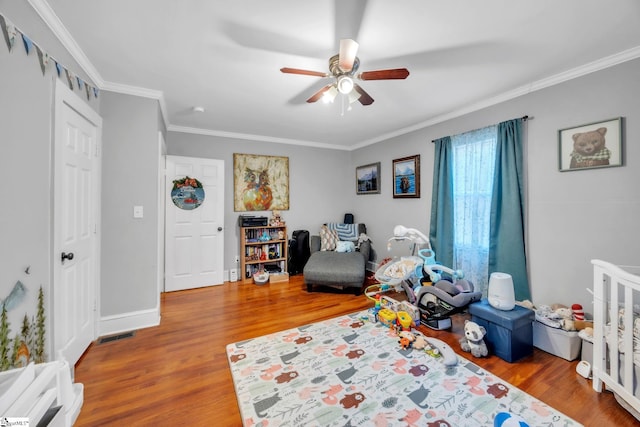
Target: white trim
125,322
591,67
51,19
60,31
246,136
141,92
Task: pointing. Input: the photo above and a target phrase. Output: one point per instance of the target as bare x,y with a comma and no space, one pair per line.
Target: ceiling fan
343,67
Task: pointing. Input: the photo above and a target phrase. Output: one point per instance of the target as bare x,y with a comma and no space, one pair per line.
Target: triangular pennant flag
59,68
69,78
8,31
80,83
87,89
43,57
95,92
28,44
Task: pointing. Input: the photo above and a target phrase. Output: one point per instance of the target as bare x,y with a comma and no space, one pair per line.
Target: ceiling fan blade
303,72
396,73
365,98
347,54
319,93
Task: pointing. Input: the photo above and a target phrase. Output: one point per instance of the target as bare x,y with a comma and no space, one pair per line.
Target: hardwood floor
177,373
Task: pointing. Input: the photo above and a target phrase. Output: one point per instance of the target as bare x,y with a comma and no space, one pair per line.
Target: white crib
616,333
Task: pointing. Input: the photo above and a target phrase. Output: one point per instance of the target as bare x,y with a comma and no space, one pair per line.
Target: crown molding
53,22
50,18
249,137
591,67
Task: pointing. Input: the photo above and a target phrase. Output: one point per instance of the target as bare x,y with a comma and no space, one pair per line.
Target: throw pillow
345,231
345,247
328,239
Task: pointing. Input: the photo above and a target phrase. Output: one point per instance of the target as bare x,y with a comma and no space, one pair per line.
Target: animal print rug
348,371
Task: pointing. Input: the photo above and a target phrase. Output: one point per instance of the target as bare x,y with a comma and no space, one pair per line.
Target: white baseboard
125,322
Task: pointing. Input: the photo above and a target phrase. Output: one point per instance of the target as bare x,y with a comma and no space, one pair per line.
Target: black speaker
348,218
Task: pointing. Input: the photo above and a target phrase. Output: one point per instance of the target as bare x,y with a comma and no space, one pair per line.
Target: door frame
63,95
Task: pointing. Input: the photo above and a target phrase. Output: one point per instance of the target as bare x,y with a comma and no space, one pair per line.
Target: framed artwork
406,177
260,183
368,179
594,145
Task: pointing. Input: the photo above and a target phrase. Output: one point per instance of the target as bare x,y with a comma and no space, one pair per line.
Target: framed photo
368,179
260,183
594,145
406,177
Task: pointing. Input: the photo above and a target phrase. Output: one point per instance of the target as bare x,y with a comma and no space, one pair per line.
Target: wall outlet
233,275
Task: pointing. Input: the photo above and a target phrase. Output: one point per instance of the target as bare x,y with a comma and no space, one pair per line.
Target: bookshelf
264,247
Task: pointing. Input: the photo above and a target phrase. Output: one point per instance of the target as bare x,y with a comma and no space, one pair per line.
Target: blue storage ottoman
509,333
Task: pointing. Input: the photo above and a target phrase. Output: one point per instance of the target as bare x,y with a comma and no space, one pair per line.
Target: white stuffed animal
473,340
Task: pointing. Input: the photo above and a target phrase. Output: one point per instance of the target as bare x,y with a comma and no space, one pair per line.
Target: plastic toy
404,320
387,317
507,419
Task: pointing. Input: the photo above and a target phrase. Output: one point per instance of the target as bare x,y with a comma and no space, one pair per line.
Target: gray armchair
339,270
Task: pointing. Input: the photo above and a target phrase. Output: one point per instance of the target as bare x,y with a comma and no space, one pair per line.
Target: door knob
219,228
68,256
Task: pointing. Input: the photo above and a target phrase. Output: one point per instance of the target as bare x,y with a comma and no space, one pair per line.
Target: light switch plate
138,212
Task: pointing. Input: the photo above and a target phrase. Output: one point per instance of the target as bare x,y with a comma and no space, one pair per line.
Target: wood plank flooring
177,373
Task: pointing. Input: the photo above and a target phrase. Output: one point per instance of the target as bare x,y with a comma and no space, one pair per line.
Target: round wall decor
187,193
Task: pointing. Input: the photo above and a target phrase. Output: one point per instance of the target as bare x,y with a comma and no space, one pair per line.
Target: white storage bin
561,343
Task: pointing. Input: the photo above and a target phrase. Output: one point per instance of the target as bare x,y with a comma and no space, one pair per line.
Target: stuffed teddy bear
473,341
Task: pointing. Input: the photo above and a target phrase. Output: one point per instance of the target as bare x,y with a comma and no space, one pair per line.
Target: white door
194,238
76,221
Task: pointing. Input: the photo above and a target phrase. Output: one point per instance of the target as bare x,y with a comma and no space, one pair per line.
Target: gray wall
26,99
130,154
321,182
573,217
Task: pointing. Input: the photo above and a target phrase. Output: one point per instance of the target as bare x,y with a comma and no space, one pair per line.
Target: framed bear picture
594,145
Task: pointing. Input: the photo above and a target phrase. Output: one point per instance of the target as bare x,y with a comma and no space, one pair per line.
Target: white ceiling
225,56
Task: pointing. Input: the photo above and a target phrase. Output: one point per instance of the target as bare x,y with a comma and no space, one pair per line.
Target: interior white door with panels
76,224
194,238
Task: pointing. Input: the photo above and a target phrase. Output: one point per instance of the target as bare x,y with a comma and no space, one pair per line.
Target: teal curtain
441,231
507,233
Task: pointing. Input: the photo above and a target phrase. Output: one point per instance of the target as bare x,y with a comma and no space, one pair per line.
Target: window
473,161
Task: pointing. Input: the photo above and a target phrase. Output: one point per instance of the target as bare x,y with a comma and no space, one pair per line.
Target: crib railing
614,288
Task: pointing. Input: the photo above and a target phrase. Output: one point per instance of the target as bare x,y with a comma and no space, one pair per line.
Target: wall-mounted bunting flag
69,78
43,57
28,44
8,31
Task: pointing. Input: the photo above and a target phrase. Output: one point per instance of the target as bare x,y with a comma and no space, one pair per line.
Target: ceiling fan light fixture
329,96
353,96
345,84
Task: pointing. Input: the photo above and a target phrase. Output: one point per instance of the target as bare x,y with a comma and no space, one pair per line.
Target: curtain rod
524,118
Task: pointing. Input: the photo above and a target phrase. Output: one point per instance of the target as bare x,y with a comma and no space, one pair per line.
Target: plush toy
406,339
473,340
578,312
420,343
566,318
